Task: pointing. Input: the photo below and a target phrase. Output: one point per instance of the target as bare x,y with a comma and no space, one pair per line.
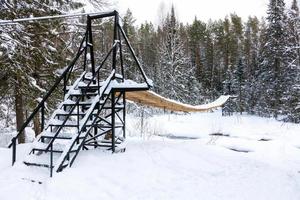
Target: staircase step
84,94
42,160
36,164
71,124
79,92
57,122
54,151
83,85
73,103
108,142
99,145
49,134
91,89
103,143
58,137
39,159
103,126
57,146
62,113
44,150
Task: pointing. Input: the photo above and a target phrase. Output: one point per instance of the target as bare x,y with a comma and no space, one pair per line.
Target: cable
16,21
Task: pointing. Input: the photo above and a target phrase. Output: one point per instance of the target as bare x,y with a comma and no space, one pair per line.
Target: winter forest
96,104
256,61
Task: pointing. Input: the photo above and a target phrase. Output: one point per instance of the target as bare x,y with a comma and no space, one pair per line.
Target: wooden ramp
150,98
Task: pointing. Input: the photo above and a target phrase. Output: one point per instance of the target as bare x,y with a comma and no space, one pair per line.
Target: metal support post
113,121
124,115
43,117
90,43
14,151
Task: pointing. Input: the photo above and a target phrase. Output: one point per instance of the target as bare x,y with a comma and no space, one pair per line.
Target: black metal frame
104,115
41,106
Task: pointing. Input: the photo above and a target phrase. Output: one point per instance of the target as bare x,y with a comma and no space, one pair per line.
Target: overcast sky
150,10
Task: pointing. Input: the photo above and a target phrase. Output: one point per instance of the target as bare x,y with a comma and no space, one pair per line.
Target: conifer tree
239,84
274,60
130,31
294,29
176,73
250,53
147,45
292,102
31,52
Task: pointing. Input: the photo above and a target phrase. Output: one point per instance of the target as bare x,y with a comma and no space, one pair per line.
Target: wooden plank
152,99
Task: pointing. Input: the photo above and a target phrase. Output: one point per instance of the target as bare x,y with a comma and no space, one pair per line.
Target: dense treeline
256,60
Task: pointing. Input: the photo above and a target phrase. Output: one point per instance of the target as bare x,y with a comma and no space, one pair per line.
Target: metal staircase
92,113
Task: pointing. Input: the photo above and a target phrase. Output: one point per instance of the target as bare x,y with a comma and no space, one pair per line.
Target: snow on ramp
153,99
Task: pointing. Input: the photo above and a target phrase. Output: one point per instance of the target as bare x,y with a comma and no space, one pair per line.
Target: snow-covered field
174,157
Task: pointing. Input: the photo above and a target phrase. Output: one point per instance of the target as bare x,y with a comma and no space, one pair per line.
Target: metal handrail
41,104
95,75
88,85
134,56
83,127
103,62
77,101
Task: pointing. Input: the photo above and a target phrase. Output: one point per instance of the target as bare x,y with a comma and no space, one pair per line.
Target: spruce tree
274,60
147,45
250,53
177,76
292,101
196,41
130,31
31,51
239,84
294,29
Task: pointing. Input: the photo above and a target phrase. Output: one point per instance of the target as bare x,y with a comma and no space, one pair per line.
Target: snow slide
150,98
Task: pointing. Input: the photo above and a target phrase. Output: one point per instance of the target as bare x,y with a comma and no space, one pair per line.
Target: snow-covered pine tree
197,34
212,81
32,51
239,84
250,52
177,76
228,89
28,51
147,45
128,25
236,40
292,101
196,47
294,28
274,60
231,53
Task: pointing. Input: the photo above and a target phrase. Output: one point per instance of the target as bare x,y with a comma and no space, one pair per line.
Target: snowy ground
184,162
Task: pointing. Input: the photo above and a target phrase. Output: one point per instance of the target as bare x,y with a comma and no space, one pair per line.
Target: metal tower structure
92,113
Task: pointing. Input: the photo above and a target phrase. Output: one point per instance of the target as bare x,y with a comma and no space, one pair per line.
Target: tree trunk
240,99
19,109
37,124
277,88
